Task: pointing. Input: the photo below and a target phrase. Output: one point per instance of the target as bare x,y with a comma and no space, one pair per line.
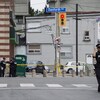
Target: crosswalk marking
54,85
3,85
31,85
80,85
27,85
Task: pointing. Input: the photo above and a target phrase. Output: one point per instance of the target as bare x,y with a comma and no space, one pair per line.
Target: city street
50,88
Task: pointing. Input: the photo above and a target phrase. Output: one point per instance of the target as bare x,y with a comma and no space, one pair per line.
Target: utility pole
57,49
77,39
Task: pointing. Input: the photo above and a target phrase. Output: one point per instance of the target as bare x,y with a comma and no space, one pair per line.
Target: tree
31,11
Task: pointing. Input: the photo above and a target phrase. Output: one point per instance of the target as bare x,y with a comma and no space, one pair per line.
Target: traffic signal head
62,19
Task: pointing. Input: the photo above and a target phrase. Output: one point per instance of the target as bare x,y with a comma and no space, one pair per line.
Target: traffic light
62,19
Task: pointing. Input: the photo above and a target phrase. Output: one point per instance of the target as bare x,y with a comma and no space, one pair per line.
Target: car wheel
70,71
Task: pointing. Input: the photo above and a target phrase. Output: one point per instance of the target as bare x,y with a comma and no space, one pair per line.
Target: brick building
7,33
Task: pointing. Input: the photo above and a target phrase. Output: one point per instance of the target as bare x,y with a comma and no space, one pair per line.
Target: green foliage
32,12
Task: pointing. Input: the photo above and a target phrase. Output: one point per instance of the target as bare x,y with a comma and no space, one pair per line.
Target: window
66,52
86,36
33,27
34,49
19,20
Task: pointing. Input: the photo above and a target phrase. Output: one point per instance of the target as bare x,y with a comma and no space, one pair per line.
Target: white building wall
84,5
47,55
20,50
67,40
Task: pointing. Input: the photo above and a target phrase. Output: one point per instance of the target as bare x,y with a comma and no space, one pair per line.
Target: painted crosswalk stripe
3,85
27,85
54,85
81,85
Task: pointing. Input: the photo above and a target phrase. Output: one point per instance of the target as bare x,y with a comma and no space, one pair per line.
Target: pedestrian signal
62,19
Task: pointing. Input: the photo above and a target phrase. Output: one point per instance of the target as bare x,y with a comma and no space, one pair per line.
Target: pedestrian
2,67
13,64
96,57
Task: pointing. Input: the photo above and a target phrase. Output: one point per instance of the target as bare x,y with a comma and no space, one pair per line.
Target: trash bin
21,65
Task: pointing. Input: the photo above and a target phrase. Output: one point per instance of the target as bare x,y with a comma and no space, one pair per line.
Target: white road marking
54,85
81,85
27,85
3,85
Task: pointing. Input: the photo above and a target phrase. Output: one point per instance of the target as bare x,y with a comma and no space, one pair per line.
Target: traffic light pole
57,52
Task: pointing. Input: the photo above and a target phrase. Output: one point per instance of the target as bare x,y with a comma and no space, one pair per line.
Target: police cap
98,45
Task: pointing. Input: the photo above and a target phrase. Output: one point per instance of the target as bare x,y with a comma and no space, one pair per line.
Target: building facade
84,5
6,29
21,11
40,39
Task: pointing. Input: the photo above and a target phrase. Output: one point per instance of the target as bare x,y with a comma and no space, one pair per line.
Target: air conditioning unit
86,38
64,30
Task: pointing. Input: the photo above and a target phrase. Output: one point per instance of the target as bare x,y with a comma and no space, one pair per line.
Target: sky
38,4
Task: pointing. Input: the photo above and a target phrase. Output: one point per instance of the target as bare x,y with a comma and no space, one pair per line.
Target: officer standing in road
96,56
13,65
2,67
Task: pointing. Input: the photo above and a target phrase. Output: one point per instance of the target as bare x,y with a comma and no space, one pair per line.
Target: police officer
96,57
2,67
13,65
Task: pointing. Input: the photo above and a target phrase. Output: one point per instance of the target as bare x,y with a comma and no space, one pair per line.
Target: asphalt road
50,88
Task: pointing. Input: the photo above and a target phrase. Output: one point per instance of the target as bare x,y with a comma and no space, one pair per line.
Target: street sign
48,10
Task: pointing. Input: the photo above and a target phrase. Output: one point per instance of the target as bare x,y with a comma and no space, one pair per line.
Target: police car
72,66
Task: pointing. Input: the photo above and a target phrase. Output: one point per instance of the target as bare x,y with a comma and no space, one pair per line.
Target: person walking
96,57
13,65
2,67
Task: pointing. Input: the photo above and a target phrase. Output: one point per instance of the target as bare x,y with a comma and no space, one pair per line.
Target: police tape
24,65
30,65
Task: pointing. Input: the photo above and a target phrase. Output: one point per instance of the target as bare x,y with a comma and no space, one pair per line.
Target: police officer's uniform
97,66
2,67
12,72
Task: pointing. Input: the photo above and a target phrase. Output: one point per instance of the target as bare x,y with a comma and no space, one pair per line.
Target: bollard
54,73
73,73
44,73
33,73
81,73
63,73
89,73
86,73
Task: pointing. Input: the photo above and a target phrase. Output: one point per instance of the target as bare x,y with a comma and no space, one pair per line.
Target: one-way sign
55,10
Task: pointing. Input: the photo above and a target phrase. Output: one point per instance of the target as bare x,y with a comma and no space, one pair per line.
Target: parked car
72,66
38,66
31,66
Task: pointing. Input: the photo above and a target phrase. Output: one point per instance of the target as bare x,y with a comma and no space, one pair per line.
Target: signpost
62,22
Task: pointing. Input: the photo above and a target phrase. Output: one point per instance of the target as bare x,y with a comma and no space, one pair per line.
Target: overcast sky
38,4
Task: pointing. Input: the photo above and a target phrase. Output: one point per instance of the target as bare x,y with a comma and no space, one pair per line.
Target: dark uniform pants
97,71
12,72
